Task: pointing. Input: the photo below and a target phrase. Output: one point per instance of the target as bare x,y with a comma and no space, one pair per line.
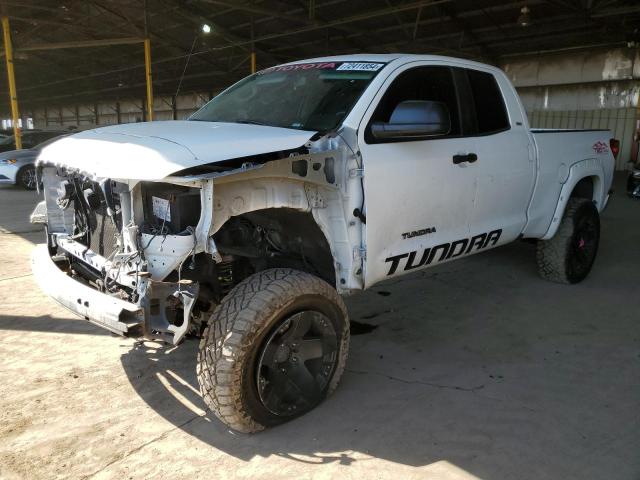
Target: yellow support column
13,96
253,62
147,68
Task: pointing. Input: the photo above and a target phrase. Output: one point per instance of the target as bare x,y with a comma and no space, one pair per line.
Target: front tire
569,255
275,347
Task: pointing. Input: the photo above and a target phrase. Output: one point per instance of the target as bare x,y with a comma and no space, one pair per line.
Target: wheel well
583,189
257,241
276,237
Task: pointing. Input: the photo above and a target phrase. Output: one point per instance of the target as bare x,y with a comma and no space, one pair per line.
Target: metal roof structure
89,50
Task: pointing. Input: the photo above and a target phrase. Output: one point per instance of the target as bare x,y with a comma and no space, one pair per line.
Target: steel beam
250,8
13,96
340,21
147,68
82,44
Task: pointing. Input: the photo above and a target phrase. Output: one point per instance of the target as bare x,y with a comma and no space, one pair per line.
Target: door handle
469,158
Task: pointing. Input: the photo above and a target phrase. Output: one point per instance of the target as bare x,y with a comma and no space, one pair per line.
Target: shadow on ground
479,363
15,220
45,323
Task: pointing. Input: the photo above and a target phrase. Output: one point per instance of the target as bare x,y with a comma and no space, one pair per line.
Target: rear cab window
487,102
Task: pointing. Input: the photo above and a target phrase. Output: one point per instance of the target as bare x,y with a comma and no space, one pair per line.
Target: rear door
505,166
418,201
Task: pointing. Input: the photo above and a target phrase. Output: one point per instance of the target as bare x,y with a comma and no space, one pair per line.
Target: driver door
418,200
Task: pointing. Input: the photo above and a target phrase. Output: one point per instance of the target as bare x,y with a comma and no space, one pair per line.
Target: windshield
305,96
6,140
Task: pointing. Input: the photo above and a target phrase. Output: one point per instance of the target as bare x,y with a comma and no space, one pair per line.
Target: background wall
124,111
569,89
582,89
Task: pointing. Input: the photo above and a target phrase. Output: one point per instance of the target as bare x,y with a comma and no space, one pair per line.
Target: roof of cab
390,57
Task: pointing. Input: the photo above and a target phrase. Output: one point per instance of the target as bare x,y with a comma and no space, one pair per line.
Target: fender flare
588,168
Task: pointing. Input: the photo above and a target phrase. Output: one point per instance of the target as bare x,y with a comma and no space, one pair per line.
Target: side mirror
414,119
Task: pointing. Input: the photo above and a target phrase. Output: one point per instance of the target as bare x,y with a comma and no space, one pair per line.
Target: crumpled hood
155,150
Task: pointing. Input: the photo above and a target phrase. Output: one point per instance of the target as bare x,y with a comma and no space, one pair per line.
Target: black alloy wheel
569,255
296,363
274,349
584,246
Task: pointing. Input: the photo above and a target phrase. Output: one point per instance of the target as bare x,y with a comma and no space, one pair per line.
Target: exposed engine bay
153,247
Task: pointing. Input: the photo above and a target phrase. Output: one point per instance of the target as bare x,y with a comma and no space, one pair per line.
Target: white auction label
161,208
367,67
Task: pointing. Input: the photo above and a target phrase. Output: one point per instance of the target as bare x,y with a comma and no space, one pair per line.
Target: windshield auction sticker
361,66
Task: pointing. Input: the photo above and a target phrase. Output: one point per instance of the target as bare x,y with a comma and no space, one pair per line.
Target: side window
491,112
420,83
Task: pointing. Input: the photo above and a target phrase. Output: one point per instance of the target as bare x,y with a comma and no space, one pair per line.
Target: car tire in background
26,177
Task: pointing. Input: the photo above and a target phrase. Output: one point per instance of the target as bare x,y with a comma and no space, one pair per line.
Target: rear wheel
26,177
274,349
569,255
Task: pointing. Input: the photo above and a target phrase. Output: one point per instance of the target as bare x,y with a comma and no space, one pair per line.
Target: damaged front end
148,257
116,253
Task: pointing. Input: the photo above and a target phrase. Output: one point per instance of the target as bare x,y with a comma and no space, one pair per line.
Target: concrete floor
478,369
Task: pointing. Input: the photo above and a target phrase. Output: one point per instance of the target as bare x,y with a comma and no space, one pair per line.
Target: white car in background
17,167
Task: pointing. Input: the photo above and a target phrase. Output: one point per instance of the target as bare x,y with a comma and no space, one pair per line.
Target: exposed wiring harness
155,231
192,254
85,227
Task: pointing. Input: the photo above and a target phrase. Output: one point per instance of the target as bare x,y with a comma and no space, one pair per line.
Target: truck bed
558,153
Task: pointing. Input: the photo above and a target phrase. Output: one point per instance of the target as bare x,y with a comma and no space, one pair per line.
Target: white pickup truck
301,183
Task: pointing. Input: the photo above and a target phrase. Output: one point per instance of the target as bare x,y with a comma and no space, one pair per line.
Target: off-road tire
22,177
238,327
556,257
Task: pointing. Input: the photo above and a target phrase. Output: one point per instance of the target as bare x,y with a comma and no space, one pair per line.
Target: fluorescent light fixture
525,18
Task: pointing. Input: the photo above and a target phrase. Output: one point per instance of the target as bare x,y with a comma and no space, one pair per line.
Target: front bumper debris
163,312
103,310
167,309
39,214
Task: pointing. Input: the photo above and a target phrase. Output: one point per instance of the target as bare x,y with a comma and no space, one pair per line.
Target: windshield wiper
252,122
248,122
